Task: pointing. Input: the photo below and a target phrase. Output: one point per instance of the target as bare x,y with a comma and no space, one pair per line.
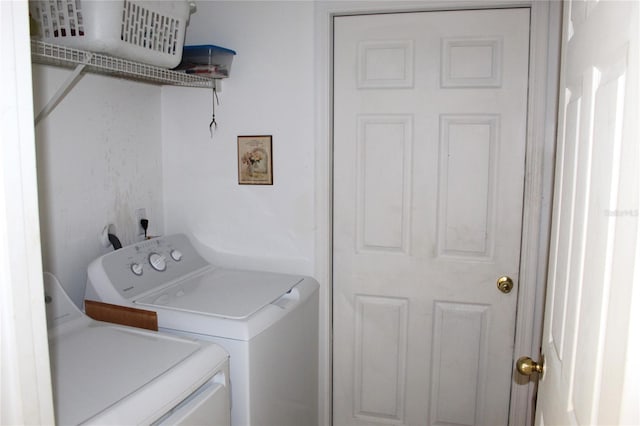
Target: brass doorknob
527,366
505,284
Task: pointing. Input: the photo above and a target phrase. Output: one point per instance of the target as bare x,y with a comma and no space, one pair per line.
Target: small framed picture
255,162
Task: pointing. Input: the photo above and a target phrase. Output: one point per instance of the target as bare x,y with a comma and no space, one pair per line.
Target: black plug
144,223
115,242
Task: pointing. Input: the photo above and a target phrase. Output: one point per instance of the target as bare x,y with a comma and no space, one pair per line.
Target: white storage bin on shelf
151,32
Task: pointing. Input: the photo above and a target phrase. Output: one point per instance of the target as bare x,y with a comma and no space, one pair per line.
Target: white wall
270,92
98,155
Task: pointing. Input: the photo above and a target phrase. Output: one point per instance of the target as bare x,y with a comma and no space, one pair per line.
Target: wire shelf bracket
62,90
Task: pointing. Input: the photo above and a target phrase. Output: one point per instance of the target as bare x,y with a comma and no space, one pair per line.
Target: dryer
108,374
268,322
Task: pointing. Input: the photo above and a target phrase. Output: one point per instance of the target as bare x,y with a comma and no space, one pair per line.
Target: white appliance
267,322
108,374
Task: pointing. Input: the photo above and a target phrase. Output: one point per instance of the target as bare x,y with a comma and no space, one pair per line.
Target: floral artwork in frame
255,163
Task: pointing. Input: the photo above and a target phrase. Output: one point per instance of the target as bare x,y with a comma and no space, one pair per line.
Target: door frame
544,56
25,374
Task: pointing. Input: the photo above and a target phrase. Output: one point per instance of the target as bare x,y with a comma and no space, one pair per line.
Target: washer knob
136,268
176,255
158,262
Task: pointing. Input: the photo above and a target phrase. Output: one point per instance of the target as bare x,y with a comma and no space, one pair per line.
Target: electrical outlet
140,214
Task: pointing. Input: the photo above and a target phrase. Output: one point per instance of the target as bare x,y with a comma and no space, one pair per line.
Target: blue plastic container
207,59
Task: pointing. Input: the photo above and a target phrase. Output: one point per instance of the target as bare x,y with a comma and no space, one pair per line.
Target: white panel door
588,336
429,141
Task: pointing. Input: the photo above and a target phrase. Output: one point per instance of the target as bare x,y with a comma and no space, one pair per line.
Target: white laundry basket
146,31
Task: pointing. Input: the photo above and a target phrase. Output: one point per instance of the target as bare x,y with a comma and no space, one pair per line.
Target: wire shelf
51,54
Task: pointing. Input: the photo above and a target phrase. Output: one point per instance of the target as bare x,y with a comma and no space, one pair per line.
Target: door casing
539,166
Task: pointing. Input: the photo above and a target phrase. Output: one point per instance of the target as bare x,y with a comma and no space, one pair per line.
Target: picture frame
255,160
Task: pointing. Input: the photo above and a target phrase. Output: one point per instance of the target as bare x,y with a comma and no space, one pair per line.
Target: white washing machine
108,374
267,322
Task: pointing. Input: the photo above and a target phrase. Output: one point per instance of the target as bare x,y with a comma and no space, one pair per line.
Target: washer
108,374
268,322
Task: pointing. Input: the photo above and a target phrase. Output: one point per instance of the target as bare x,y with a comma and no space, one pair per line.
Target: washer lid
227,293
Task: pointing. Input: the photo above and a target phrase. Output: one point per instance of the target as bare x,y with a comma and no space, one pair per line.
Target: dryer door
208,405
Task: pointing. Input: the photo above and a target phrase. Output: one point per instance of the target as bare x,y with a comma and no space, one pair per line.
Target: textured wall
99,159
270,91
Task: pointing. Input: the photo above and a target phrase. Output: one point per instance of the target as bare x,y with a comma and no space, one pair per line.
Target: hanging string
213,125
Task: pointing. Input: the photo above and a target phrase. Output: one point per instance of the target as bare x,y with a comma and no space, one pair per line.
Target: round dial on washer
158,262
176,255
136,268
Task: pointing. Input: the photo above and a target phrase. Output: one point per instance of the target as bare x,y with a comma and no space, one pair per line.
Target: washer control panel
146,265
